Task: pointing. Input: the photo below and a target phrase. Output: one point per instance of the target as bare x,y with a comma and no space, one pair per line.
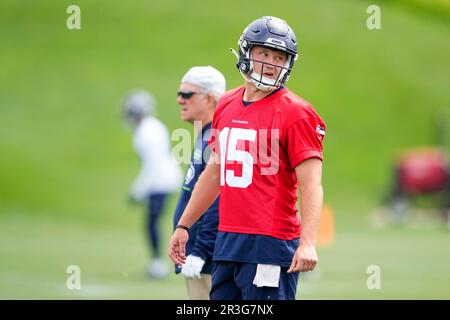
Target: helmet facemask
246,67
268,84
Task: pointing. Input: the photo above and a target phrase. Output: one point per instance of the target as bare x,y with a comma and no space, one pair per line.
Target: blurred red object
422,171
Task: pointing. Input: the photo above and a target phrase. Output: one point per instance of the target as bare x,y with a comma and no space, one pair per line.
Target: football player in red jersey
266,143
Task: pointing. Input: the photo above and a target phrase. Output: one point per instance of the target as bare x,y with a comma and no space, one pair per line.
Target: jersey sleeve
304,140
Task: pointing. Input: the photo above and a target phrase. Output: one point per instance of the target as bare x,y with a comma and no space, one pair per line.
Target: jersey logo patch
320,131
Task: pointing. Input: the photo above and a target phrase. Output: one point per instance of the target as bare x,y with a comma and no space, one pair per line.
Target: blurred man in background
198,94
160,174
258,253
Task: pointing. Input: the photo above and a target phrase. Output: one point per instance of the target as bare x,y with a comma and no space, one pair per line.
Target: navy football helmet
137,105
272,33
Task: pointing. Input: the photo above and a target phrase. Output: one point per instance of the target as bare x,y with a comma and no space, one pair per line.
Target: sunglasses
186,94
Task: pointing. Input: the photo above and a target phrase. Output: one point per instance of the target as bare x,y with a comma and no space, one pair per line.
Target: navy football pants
155,208
234,281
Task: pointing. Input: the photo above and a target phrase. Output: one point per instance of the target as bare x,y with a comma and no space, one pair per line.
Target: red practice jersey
259,147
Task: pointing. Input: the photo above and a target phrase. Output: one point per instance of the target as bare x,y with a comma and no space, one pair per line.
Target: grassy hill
66,159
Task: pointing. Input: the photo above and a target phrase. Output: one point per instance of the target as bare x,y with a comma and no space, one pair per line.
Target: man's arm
309,177
205,192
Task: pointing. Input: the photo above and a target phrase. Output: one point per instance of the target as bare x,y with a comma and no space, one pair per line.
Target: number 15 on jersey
228,140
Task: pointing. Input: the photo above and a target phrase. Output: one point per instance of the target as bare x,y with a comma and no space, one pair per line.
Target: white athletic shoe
158,269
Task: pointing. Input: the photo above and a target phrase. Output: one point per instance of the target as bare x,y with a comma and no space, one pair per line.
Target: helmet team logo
272,33
320,132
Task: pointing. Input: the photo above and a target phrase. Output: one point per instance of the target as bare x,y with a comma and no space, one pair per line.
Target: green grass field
35,255
66,160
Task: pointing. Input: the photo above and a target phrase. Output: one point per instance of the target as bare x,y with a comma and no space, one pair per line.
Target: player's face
267,61
193,101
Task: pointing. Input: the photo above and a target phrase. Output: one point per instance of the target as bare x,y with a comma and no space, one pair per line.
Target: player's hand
305,259
177,246
192,267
